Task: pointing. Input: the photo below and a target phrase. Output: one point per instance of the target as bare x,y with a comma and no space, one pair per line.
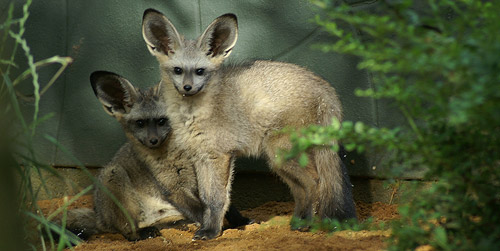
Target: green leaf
347,125
350,147
441,237
303,160
335,124
359,127
335,147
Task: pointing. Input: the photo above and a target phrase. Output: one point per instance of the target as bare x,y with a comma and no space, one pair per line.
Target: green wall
106,35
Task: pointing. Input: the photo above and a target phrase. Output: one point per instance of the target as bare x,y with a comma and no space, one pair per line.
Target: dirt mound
271,232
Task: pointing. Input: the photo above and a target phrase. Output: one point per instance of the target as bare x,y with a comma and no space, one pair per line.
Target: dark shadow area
252,189
12,236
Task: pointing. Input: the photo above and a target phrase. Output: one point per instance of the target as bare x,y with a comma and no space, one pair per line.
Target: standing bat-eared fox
225,111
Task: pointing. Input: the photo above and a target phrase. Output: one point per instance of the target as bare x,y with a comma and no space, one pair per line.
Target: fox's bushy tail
82,222
335,189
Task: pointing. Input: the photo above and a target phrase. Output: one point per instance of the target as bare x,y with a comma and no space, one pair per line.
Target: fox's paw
301,228
148,232
143,233
205,234
302,225
243,221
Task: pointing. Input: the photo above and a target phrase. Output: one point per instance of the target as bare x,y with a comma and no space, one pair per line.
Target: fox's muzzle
188,90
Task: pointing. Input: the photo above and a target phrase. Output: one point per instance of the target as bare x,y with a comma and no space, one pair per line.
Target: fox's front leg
214,176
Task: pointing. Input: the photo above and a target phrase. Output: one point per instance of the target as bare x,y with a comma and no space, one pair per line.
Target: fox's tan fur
237,110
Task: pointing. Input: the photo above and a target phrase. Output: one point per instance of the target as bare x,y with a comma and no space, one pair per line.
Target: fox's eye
140,123
200,71
162,121
178,70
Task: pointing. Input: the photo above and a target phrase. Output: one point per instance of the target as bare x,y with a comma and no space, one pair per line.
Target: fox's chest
220,124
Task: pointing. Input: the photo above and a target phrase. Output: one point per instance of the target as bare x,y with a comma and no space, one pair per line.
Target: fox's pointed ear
157,90
220,37
159,33
115,93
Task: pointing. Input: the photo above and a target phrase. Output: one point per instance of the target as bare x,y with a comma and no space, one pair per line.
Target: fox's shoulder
125,152
126,158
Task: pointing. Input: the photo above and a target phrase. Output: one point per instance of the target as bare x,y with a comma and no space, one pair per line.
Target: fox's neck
154,153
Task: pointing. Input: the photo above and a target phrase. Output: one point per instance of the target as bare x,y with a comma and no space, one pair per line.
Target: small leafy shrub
438,62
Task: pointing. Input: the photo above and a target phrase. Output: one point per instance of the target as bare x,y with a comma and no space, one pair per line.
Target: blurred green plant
17,142
438,62
18,134
333,225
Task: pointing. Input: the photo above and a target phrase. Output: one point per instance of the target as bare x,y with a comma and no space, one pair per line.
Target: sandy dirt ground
270,232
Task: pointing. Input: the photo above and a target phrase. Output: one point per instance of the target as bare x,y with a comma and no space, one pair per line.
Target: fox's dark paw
241,222
148,232
83,234
144,233
302,225
205,234
301,228
235,219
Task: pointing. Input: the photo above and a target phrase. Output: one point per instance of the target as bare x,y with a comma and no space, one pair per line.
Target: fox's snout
189,90
152,142
157,133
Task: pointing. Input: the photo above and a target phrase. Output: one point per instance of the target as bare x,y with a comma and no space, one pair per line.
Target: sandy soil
271,232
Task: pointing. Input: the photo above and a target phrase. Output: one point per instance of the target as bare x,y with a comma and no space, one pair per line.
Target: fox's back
246,103
280,94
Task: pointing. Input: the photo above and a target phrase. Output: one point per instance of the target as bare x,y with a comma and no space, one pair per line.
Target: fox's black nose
153,141
187,87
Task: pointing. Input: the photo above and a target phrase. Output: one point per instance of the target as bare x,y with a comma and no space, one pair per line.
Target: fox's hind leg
303,191
302,181
109,215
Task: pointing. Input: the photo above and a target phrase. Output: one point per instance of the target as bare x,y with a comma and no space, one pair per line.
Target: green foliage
439,63
333,225
17,137
18,133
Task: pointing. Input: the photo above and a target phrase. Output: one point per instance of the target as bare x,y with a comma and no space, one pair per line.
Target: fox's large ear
159,33
115,93
220,37
157,90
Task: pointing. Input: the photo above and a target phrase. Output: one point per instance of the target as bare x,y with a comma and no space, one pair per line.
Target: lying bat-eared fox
151,178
